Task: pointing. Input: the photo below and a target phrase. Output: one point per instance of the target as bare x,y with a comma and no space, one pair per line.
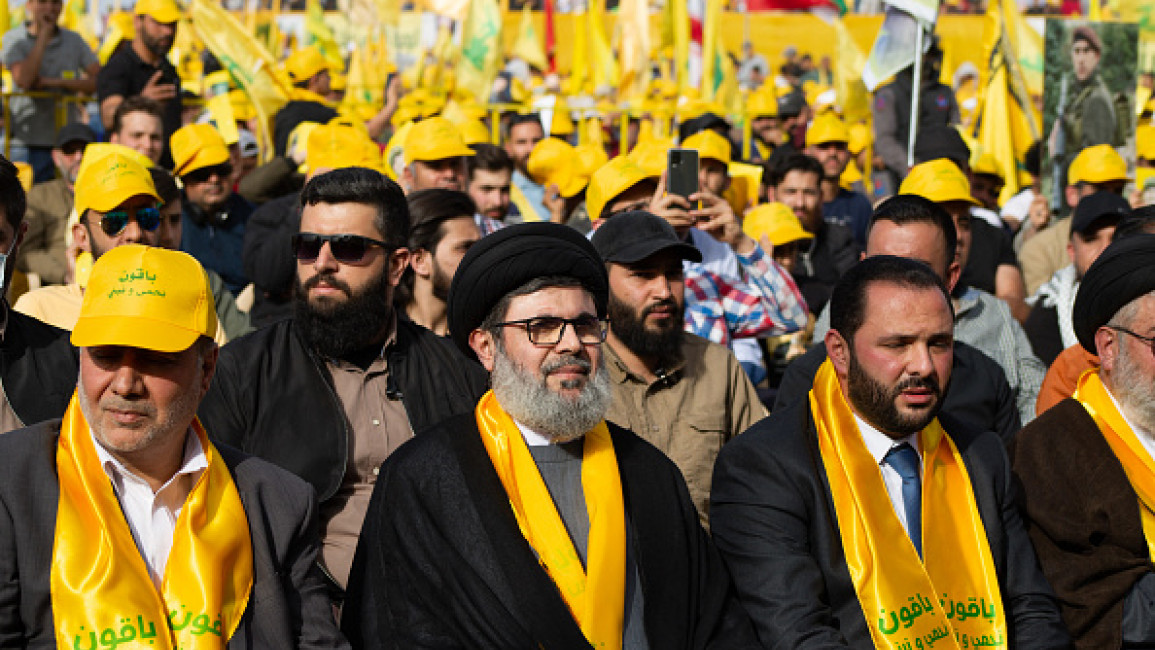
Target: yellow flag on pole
681,32
710,44
603,66
852,93
528,46
480,49
634,47
321,35
266,84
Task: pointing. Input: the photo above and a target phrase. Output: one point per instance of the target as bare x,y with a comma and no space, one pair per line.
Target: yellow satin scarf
528,212
1136,462
951,598
596,597
102,595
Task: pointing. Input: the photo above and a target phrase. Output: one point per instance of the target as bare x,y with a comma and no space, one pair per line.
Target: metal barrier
61,107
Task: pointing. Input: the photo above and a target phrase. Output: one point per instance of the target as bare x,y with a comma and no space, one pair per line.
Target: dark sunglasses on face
113,223
347,249
203,174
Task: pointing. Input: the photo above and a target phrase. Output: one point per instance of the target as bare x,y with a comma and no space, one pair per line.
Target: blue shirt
852,210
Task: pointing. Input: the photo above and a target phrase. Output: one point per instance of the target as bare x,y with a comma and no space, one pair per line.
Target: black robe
442,564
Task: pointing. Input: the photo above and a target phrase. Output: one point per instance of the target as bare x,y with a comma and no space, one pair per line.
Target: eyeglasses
347,249
1149,340
202,175
113,223
548,331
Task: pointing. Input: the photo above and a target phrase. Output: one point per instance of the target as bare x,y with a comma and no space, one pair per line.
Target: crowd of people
443,378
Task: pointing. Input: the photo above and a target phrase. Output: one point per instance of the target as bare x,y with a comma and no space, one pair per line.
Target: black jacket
38,368
269,260
272,397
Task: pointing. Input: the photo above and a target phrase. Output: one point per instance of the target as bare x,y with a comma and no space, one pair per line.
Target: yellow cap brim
205,157
132,331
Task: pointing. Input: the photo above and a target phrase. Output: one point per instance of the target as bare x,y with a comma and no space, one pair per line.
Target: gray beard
532,403
1134,391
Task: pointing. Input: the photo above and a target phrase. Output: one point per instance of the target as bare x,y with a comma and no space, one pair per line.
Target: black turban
511,257
1122,273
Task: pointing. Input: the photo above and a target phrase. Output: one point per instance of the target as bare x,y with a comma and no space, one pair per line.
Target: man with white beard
1087,465
533,523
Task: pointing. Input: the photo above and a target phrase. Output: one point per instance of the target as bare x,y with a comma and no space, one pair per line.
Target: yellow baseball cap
709,144
560,123
938,180
590,158
110,176
473,132
763,103
859,137
827,128
144,297
306,62
1145,141
434,138
777,222
987,164
1097,164
554,162
162,11
615,177
197,146
650,155
335,146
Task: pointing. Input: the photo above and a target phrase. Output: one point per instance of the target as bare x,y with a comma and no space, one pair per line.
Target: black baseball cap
791,104
75,132
633,236
1098,207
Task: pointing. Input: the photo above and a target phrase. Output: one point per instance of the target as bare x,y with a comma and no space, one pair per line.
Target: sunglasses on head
203,174
114,222
347,249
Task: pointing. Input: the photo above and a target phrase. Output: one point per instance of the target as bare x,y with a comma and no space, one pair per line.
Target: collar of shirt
879,444
533,438
966,301
620,373
193,463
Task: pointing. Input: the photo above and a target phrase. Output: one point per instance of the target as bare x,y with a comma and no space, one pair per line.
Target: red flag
793,5
549,38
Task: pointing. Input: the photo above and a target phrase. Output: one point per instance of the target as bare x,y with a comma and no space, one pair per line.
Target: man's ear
484,347
838,351
398,260
80,237
1107,346
422,262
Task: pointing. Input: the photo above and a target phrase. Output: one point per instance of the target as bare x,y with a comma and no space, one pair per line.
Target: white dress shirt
879,444
152,516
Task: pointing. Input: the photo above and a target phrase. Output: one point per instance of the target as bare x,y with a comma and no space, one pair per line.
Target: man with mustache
331,392
857,517
682,393
531,522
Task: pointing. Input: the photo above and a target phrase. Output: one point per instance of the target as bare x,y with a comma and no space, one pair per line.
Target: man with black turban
532,522
1087,465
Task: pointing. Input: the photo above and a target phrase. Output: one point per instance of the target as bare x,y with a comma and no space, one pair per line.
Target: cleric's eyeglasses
114,222
1149,340
347,249
547,331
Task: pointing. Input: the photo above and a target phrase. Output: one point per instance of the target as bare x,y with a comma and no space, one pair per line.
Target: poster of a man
1089,92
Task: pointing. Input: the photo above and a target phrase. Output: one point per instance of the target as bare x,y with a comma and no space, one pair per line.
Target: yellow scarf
528,212
100,585
596,597
1136,462
951,599
303,95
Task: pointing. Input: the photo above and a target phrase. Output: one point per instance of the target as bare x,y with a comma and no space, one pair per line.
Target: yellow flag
480,49
75,17
852,93
603,64
320,35
634,47
266,83
120,28
1094,11
710,43
579,74
389,11
455,9
528,46
1027,44
5,16
681,33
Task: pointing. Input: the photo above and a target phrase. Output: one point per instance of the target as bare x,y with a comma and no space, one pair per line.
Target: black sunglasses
203,174
113,223
347,249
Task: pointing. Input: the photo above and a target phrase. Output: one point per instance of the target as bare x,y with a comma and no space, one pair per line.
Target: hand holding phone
682,172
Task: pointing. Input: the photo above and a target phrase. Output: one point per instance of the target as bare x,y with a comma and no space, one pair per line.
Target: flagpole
914,96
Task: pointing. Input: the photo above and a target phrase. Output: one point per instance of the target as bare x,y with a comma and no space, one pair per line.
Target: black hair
165,185
135,104
848,299
1033,160
364,185
518,118
1141,221
795,162
488,157
429,209
902,209
12,197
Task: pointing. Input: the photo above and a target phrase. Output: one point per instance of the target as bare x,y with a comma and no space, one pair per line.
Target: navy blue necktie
904,459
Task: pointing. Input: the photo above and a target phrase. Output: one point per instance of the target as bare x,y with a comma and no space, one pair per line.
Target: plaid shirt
767,303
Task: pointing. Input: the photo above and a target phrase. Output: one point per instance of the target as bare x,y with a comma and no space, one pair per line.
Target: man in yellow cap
196,542
40,365
44,58
434,156
143,69
765,125
116,203
828,142
1094,169
214,215
309,72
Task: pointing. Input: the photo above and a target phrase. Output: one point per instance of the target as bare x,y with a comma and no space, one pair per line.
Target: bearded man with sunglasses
529,521
331,392
213,227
